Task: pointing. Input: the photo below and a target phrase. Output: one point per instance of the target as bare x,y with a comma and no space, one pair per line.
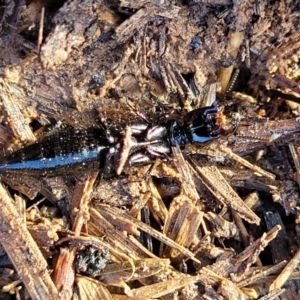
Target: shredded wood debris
24,252
210,221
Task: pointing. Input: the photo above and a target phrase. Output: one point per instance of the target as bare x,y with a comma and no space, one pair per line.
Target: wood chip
24,252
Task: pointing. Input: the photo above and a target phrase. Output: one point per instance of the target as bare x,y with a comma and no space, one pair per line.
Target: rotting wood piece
222,190
115,213
120,244
128,28
286,272
68,33
279,247
89,288
19,125
64,273
237,266
24,252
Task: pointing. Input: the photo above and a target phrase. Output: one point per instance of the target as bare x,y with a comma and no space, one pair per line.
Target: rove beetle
70,150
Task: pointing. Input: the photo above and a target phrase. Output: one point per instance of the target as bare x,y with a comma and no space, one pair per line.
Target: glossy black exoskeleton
66,151
70,150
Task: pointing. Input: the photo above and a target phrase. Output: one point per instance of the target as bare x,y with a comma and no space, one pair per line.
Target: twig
24,252
40,36
286,272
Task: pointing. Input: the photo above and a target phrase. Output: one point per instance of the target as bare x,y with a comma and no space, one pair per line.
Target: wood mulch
219,221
